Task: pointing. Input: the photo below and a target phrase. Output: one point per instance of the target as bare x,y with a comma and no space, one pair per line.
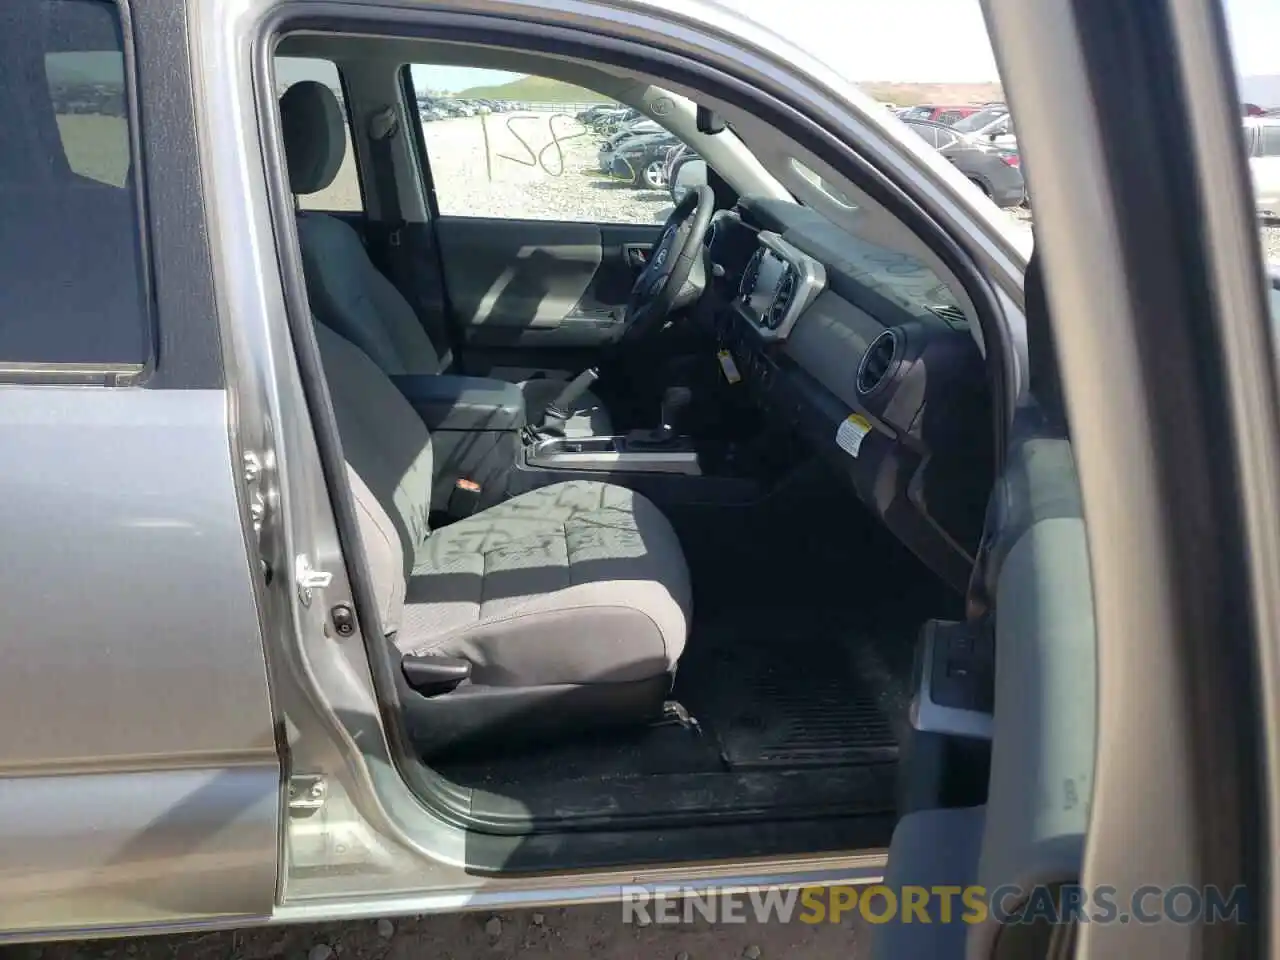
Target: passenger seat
347,292
570,603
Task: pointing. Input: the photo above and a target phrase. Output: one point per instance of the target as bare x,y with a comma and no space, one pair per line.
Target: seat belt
395,253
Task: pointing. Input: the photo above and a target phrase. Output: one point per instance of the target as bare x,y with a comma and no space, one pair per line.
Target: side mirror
709,121
689,174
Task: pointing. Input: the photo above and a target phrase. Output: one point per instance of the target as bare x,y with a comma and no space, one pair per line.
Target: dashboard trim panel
810,280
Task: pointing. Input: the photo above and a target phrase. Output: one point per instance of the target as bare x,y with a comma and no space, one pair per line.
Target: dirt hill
907,94
537,89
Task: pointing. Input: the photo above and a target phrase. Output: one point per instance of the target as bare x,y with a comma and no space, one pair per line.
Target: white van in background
1262,136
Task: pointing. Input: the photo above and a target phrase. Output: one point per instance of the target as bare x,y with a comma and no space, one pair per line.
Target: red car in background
940,113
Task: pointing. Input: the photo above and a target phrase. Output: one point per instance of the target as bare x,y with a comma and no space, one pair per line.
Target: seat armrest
447,402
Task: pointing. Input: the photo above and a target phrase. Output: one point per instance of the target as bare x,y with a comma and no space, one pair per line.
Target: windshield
976,121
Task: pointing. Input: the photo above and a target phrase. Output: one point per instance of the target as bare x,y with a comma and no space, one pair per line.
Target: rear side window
71,279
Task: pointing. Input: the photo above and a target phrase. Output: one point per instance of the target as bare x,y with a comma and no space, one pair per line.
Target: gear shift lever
675,400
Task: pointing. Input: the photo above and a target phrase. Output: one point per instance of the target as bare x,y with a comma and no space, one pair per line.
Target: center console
624,454
482,443
476,425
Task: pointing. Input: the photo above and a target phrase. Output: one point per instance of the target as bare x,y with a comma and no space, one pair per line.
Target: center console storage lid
448,402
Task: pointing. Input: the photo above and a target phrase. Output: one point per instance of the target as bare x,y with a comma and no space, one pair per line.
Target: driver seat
347,292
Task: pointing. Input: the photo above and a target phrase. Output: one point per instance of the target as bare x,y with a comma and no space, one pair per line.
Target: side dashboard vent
877,362
782,299
952,316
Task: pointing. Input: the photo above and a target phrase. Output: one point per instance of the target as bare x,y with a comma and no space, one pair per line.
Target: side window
343,195
72,283
945,138
520,147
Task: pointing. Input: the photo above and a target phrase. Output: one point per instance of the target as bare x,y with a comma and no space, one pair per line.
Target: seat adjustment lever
434,675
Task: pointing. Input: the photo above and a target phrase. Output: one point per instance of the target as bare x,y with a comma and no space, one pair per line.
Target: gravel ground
1271,242
533,166
579,933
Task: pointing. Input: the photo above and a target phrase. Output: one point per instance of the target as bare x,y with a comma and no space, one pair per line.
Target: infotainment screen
761,299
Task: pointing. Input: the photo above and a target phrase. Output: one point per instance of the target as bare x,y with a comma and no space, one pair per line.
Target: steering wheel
676,273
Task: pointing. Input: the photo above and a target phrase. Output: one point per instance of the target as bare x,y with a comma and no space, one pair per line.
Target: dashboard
865,353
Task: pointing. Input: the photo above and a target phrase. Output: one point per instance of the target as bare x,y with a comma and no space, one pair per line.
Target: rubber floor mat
821,699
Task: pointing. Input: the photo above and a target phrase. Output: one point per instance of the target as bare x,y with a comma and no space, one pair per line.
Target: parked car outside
995,171
641,160
615,141
1262,139
994,124
610,123
941,113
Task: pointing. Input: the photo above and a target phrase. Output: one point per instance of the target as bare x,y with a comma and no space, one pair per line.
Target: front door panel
536,284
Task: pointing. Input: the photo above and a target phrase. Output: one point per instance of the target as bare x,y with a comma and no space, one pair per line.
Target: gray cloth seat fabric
574,583
347,292
509,589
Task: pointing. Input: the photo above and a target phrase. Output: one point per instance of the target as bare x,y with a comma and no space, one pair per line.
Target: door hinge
309,579
307,792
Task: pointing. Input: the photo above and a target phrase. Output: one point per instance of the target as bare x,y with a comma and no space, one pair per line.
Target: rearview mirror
709,121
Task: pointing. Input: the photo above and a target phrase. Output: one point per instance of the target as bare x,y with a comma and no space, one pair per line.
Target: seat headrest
314,139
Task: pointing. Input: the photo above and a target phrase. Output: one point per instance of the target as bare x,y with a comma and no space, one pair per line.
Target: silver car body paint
138,778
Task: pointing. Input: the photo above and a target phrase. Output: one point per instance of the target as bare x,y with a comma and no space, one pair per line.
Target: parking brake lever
560,409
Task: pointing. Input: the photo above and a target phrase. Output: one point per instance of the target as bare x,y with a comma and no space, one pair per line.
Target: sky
911,40
946,40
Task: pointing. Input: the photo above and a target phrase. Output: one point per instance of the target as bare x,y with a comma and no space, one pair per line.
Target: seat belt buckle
464,499
393,239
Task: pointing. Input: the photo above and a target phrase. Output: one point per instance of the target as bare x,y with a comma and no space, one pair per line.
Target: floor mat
781,691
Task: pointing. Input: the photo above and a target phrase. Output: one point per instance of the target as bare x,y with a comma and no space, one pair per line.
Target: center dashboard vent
782,297
877,362
747,285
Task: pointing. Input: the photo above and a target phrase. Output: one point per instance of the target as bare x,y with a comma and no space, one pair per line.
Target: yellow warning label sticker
851,432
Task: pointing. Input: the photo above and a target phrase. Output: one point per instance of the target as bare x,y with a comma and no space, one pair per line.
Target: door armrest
447,402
